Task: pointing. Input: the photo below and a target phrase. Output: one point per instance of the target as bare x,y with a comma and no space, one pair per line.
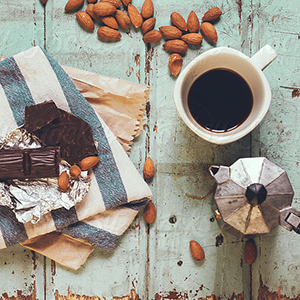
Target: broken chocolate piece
39,115
72,134
29,163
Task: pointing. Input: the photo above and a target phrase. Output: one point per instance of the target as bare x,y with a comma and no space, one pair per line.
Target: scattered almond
110,21
175,63
75,171
170,32
148,169
147,9
175,46
73,5
196,250
91,1
90,11
115,3
90,161
250,252
126,2
192,38
212,14
148,25
134,15
63,180
152,36
149,212
193,23
85,20
122,18
178,21
209,32
102,9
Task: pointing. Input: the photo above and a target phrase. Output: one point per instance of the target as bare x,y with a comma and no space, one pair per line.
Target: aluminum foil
31,199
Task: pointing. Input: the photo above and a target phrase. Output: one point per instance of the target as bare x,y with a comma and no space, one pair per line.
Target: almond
250,252
85,20
115,3
152,36
147,9
134,15
110,22
148,25
63,180
91,1
103,9
90,161
170,32
196,250
178,21
75,171
193,23
44,1
73,5
192,38
126,2
175,46
175,63
212,15
209,32
122,19
148,169
90,11
149,212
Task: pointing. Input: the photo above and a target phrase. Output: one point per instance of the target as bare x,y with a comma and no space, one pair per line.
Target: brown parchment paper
121,104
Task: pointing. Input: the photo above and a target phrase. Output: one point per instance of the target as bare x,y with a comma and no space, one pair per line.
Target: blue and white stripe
34,77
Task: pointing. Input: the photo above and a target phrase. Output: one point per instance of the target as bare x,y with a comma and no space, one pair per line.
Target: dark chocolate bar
29,163
72,134
39,115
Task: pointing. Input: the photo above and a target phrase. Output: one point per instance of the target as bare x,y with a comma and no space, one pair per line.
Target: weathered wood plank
276,272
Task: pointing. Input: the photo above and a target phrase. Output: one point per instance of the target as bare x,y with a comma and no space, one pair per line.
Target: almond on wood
175,63
178,21
135,16
148,169
170,32
196,250
148,25
115,3
73,5
149,212
110,21
85,20
212,15
122,19
103,9
90,11
250,252
209,32
147,9
192,38
153,36
193,23
175,46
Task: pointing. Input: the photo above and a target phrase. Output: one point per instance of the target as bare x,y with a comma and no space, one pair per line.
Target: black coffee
220,100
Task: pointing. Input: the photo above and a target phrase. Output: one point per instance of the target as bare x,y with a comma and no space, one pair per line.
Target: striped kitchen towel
117,191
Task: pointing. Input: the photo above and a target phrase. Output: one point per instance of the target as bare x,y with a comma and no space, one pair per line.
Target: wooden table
158,264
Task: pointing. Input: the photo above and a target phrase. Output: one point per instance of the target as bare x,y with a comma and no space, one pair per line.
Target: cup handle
263,57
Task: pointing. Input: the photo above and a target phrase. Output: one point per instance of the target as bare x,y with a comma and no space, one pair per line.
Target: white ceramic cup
250,69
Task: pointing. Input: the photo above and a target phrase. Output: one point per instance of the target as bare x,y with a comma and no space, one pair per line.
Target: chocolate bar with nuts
29,163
